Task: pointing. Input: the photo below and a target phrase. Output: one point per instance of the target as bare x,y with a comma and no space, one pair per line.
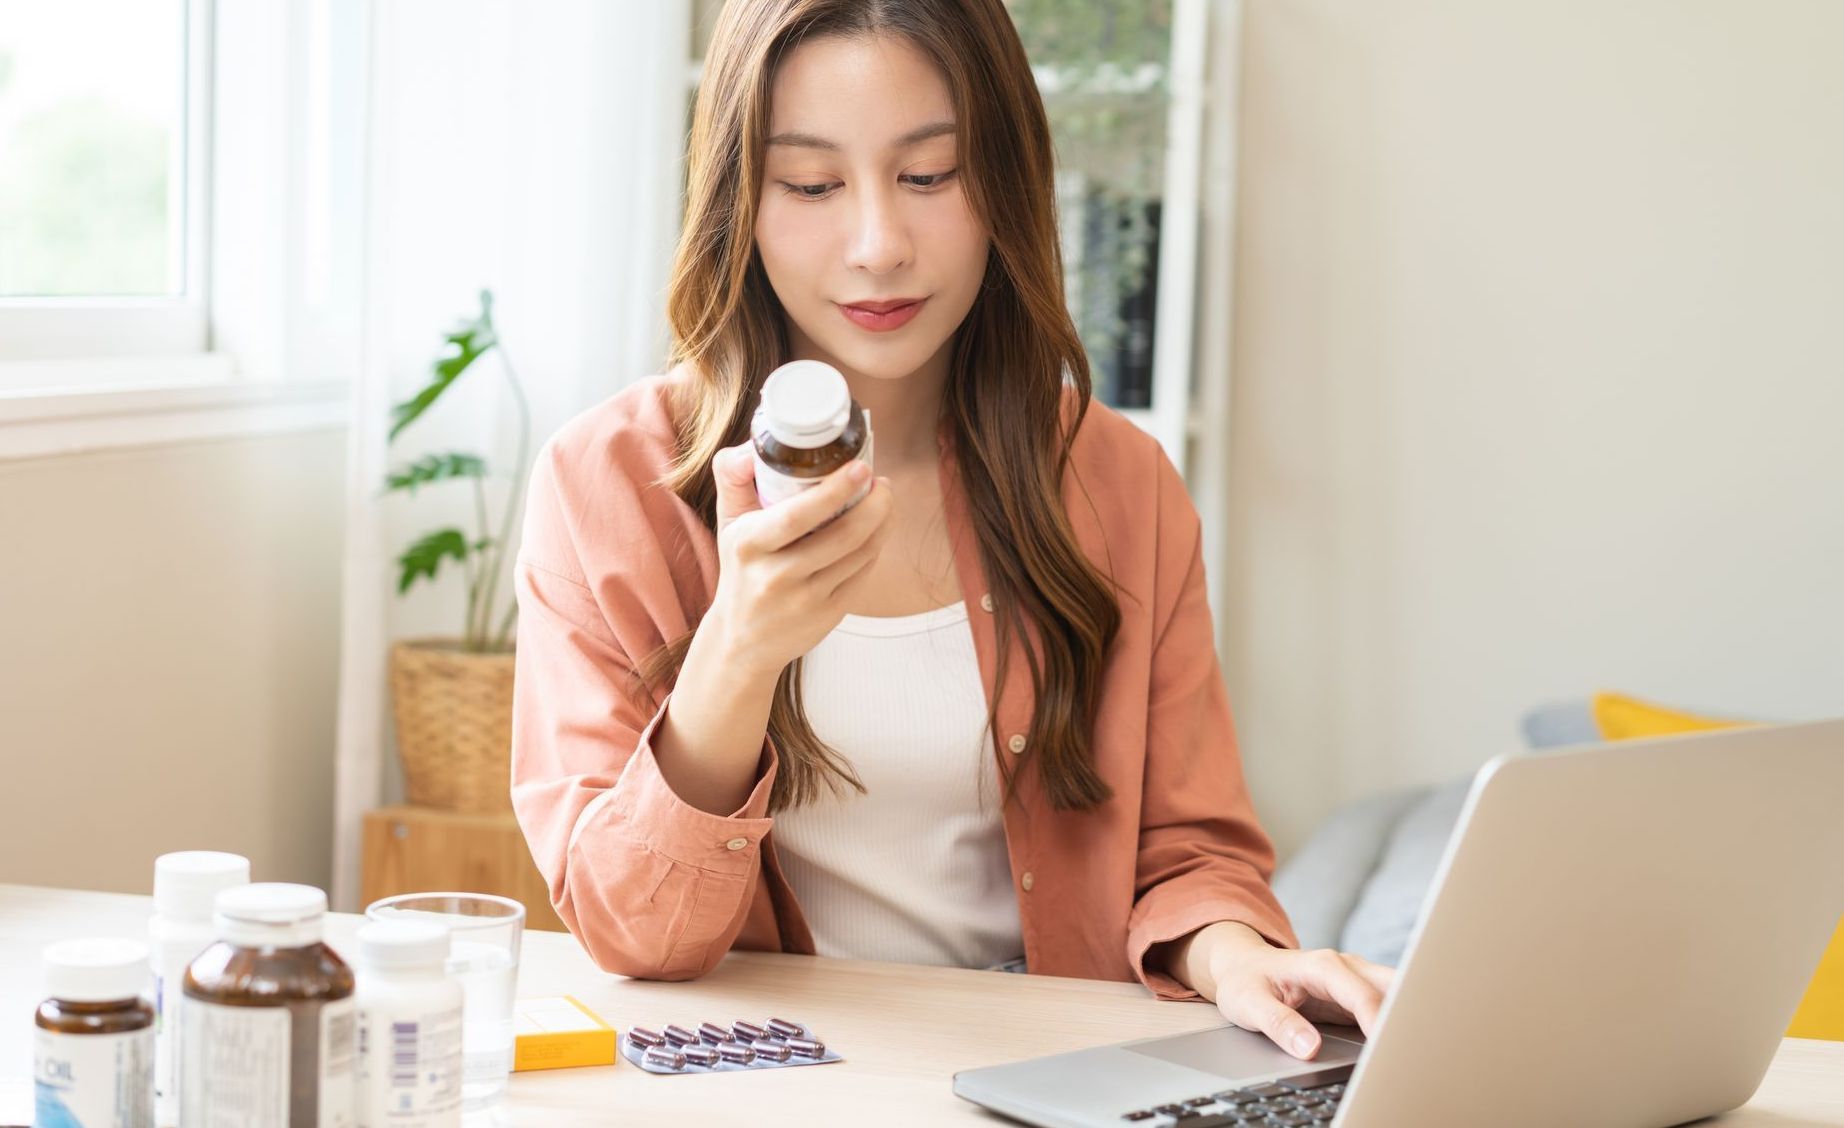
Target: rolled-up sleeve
650,885
1202,856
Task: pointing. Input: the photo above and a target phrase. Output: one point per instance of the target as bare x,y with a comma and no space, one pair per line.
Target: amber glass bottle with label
270,1022
807,426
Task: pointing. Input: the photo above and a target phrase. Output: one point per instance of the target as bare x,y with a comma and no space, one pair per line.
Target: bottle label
339,1062
163,1046
173,947
166,1048
237,1066
93,1080
234,1065
409,1067
774,487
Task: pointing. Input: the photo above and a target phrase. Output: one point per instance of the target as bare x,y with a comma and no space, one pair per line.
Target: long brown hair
1003,402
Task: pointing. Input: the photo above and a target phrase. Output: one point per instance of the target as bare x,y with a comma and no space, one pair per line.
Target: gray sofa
1359,882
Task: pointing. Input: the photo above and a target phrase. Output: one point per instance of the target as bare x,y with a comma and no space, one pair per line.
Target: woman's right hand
783,580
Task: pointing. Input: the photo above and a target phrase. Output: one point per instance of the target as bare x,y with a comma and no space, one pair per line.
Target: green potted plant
452,697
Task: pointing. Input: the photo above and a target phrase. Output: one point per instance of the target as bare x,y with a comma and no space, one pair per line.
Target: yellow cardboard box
557,1032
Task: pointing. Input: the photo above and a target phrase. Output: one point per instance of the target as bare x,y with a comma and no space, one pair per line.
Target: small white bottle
409,1028
93,1050
185,885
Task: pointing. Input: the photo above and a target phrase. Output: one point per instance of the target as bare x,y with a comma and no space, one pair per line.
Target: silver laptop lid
1619,934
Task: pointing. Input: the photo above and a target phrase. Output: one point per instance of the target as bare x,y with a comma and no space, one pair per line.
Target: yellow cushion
1821,1013
1627,718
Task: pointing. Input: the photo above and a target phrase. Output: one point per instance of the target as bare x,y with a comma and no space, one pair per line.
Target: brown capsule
642,1038
700,1054
807,1047
748,1031
679,1036
665,1057
782,1028
736,1052
773,1051
711,1034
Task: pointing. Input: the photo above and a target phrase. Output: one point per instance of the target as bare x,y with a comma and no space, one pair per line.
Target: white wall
533,150
1538,380
168,656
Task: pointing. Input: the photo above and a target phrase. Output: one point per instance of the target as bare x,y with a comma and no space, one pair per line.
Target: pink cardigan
612,566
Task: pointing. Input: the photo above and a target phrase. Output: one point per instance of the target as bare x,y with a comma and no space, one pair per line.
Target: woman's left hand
1280,991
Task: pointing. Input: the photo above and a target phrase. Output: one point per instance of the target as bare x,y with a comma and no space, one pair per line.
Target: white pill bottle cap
96,971
806,403
187,883
403,944
271,914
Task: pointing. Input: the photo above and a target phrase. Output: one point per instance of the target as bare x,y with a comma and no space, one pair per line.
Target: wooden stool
423,850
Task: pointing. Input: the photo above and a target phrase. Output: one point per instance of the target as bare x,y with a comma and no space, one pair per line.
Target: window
1102,70
102,219
146,148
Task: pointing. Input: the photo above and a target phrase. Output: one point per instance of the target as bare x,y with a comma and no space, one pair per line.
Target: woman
978,718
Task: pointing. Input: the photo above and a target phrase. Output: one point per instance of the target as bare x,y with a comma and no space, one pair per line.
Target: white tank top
916,869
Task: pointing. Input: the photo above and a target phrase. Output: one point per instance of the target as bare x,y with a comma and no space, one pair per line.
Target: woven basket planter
454,725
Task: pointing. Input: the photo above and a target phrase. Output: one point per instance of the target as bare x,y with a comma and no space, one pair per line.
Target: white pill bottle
409,1028
186,884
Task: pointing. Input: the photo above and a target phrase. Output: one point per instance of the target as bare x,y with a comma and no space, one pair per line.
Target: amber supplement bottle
269,1019
93,1051
807,426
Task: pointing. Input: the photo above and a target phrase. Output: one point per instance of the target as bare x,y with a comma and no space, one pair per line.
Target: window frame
59,328
280,175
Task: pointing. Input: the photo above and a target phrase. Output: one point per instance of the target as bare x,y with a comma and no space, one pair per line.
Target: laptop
1617,935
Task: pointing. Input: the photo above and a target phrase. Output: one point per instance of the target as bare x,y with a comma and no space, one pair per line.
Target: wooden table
904,1031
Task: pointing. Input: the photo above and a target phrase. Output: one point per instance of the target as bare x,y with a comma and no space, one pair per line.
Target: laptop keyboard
1308,1098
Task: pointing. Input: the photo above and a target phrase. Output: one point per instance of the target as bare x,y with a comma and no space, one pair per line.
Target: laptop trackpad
1233,1054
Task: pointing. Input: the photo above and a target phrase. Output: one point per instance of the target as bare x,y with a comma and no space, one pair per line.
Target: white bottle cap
806,403
270,914
96,971
187,883
403,943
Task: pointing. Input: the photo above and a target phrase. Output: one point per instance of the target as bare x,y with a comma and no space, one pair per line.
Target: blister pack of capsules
710,1048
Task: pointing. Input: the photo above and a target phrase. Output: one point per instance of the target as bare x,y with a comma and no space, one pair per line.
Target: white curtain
533,149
